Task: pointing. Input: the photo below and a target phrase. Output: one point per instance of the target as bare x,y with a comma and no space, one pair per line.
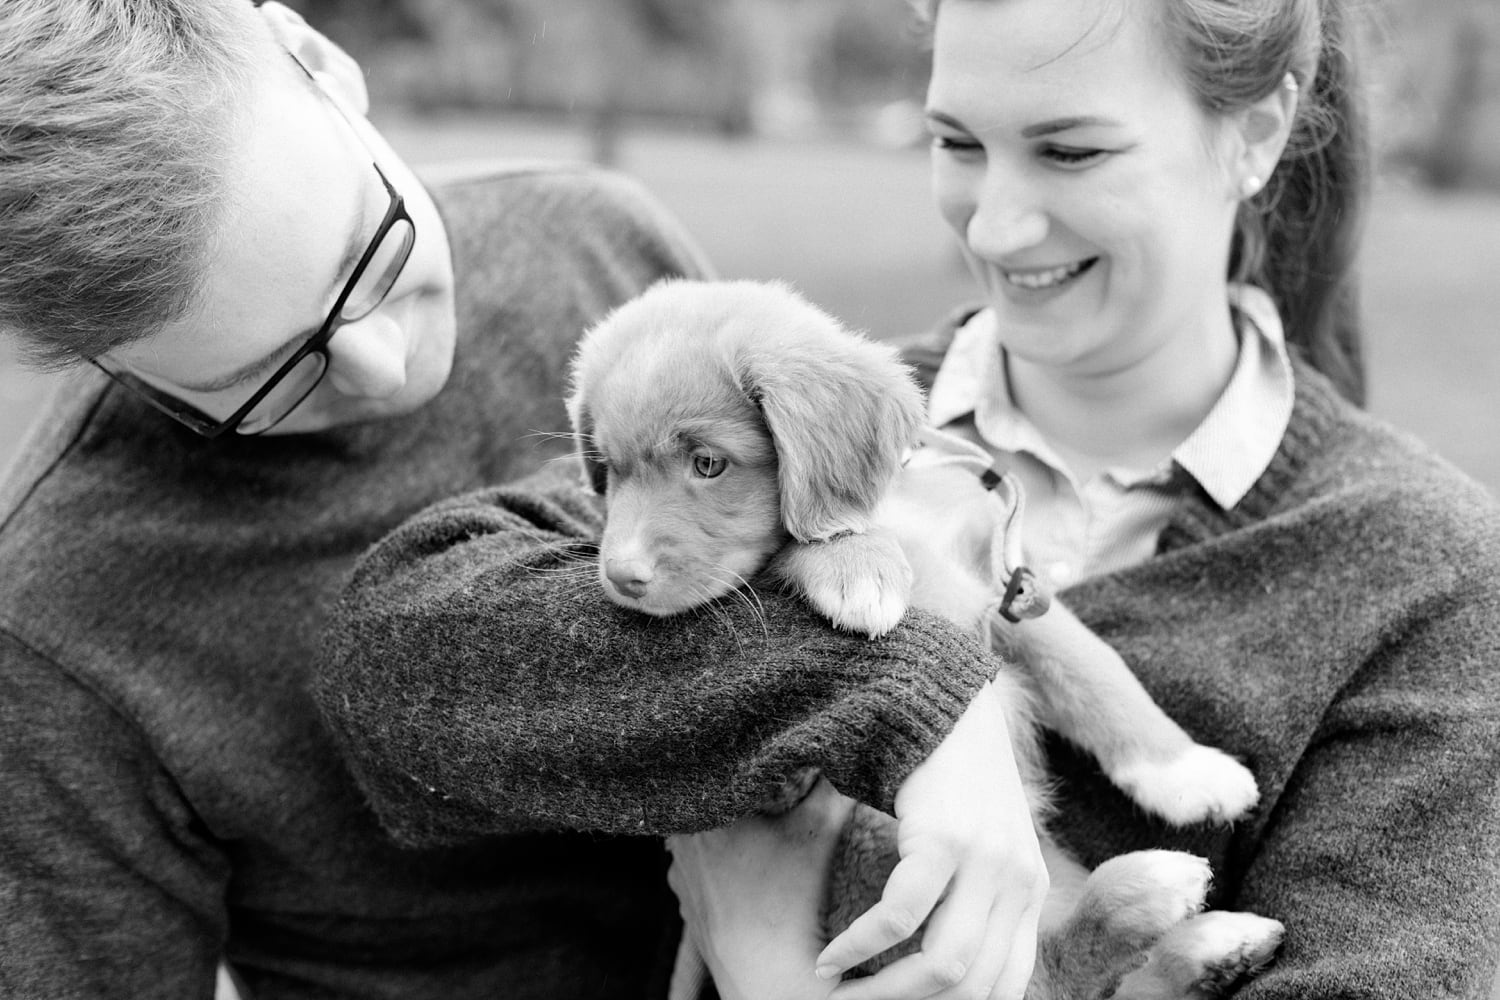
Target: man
296,346
287,347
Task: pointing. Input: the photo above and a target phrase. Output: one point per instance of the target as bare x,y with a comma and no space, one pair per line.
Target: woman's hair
116,119
1298,236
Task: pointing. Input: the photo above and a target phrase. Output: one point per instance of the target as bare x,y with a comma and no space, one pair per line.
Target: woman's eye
954,144
708,466
1071,156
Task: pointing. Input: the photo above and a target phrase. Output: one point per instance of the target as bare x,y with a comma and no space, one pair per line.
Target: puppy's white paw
1204,956
1135,897
864,606
1201,784
861,582
1125,907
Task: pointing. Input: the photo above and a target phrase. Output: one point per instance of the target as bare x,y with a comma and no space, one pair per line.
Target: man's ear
1262,130
333,68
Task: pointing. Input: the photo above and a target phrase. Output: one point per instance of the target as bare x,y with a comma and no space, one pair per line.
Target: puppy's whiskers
730,588
581,565
757,610
570,457
577,585
743,592
539,435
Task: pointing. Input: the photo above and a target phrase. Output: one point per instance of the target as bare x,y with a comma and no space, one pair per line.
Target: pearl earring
1250,187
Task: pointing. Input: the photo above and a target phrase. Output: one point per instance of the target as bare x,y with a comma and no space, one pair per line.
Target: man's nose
367,358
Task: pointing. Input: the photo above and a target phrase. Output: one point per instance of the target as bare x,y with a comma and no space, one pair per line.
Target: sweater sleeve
480,682
1383,855
108,886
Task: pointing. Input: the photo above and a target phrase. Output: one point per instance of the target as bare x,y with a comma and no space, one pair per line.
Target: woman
1159,199
1291,580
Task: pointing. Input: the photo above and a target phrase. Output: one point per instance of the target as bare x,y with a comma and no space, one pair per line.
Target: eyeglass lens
380,272
369,291
285,394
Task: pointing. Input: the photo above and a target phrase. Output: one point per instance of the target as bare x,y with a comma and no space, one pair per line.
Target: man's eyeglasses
368,285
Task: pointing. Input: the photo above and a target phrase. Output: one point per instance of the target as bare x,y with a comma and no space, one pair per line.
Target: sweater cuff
933,671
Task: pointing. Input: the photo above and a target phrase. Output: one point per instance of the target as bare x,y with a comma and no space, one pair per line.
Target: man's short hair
116,120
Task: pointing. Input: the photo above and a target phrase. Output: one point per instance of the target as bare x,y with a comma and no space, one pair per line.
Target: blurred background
786,134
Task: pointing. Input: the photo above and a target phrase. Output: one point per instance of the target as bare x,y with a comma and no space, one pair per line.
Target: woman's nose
367,358
1008,218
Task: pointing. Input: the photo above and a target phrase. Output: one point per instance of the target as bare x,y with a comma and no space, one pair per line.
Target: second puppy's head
720,420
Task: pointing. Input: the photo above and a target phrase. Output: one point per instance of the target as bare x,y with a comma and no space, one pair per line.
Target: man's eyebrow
353,248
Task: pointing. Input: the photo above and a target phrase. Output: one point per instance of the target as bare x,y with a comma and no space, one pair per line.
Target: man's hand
970,858
751,897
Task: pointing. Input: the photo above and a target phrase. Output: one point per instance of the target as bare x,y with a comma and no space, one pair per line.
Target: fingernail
826,971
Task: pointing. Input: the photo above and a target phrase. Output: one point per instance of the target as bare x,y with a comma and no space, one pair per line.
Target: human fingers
1001,968
909,978
911,891
974,947
1013,940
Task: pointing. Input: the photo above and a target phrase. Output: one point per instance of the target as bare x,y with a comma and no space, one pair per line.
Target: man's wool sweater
169,792
1338,631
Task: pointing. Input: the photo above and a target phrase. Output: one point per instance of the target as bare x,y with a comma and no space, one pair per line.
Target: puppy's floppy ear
595,474
842,411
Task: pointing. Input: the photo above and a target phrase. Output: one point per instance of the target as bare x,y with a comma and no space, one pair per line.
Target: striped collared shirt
1076,529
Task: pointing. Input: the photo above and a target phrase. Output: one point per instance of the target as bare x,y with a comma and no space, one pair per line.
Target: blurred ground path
852,227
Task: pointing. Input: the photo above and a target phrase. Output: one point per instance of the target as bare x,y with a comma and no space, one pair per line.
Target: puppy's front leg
1090,696
859,581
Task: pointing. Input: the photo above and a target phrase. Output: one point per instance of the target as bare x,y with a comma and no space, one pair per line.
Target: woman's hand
970,858
751,897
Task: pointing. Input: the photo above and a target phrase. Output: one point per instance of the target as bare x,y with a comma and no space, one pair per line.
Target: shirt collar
972,379
1239,437
1227,452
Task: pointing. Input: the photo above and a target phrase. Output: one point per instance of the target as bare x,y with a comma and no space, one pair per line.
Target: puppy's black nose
628,576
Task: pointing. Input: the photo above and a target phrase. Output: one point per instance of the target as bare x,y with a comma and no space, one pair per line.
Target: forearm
479,681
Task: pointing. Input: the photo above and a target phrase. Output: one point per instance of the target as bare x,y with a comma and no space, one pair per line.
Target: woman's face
1086,185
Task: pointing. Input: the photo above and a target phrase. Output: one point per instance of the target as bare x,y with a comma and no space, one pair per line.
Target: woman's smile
1041,279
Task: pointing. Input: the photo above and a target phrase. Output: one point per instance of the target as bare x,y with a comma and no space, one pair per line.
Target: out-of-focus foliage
868,52
597,57
1436,74
743,64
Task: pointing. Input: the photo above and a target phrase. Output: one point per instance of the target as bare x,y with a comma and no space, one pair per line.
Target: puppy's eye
708,466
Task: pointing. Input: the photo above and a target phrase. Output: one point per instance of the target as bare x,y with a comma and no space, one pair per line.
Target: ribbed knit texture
168,788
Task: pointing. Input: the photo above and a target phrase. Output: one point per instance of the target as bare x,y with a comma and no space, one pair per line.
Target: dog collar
1023,596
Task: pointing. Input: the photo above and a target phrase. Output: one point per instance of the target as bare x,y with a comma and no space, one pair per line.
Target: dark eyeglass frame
201,423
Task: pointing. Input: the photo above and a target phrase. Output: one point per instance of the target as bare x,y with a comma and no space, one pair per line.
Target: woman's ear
333,68
1262,131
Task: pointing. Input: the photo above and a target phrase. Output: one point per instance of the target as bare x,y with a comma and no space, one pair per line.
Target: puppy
732,429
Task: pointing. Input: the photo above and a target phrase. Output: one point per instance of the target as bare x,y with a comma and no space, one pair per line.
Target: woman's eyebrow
354,247
1050,127
942,118
1056,125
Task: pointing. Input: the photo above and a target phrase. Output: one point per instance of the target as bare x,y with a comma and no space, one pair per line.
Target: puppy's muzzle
631,577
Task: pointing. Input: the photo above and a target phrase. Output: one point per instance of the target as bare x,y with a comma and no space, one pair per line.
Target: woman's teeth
1049,278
